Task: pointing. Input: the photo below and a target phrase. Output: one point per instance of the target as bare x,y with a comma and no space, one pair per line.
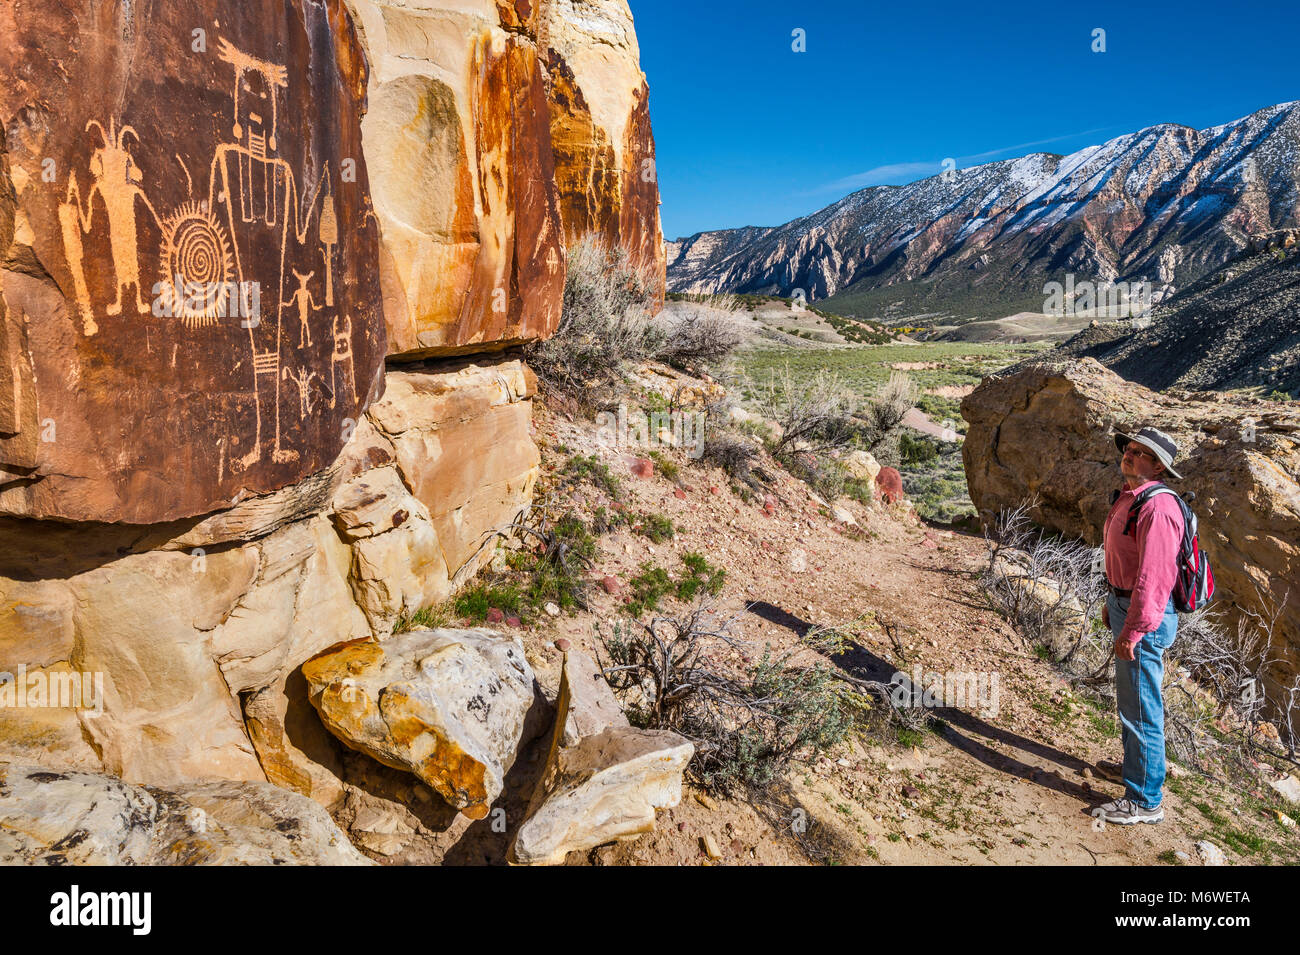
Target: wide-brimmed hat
1160,444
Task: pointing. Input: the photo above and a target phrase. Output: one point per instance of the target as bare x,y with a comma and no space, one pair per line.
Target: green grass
666,465
657,527
586,468
474,602
426,618
652,584
866,368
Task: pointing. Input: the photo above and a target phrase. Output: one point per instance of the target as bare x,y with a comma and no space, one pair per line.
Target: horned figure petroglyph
303,299
117,180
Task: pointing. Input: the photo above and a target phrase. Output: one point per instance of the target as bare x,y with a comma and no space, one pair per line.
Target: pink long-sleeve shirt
1144,562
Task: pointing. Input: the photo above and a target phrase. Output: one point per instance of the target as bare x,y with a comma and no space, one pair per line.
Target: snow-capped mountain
1166,205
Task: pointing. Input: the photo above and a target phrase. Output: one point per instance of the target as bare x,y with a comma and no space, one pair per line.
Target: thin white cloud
909,171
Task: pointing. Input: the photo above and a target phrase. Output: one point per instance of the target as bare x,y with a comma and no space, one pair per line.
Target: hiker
1141,572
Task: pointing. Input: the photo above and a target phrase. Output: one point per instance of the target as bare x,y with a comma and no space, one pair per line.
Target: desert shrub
647,588
747,723
1049,589
733,453
882,415
588,468
604,323
814,413
666,465
700,334
702,576
916,450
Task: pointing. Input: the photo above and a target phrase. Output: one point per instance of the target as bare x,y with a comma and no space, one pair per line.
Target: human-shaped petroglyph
117,181
258,192
303,299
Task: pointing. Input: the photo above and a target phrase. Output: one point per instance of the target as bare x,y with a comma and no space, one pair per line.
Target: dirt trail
1008,787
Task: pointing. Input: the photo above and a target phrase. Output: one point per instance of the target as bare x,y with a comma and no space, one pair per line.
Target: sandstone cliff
216,222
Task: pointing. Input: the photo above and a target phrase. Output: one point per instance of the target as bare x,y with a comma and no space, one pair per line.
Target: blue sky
749,132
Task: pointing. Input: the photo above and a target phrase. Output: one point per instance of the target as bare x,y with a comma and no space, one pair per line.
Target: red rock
889,485
713,489
641,467
562,644
127,402
513,622
610,584
495,615
679,493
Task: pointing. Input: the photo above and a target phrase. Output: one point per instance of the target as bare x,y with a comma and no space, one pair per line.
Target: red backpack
1194,586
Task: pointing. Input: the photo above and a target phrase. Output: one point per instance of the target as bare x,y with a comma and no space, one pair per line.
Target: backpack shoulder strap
1141,499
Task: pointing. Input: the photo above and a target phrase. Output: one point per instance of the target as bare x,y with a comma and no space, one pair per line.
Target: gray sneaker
1125,812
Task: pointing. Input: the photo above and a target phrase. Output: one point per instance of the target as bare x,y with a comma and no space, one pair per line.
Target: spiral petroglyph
197,267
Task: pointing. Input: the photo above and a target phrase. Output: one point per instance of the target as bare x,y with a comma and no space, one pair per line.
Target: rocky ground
1007,787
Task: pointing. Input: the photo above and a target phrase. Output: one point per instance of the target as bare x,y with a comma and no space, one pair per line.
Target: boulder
1288,787
441,421
447,705
889,485
1047,430
189,300
71,818
458,143
862,465
604,779
843,515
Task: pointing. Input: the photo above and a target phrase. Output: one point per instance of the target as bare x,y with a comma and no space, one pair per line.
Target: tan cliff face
1047,430
496,134
472,250
600,126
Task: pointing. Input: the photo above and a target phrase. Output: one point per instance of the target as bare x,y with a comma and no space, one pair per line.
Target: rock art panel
190,285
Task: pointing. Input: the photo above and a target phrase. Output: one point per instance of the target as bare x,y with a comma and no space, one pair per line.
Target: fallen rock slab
74,818
446,705
604,779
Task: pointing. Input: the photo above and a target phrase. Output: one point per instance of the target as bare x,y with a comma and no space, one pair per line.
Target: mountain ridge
1166,204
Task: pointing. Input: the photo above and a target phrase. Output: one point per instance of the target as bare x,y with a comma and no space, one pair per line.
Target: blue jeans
1141,704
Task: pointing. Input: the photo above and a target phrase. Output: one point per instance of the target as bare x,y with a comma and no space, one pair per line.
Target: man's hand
1124,648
